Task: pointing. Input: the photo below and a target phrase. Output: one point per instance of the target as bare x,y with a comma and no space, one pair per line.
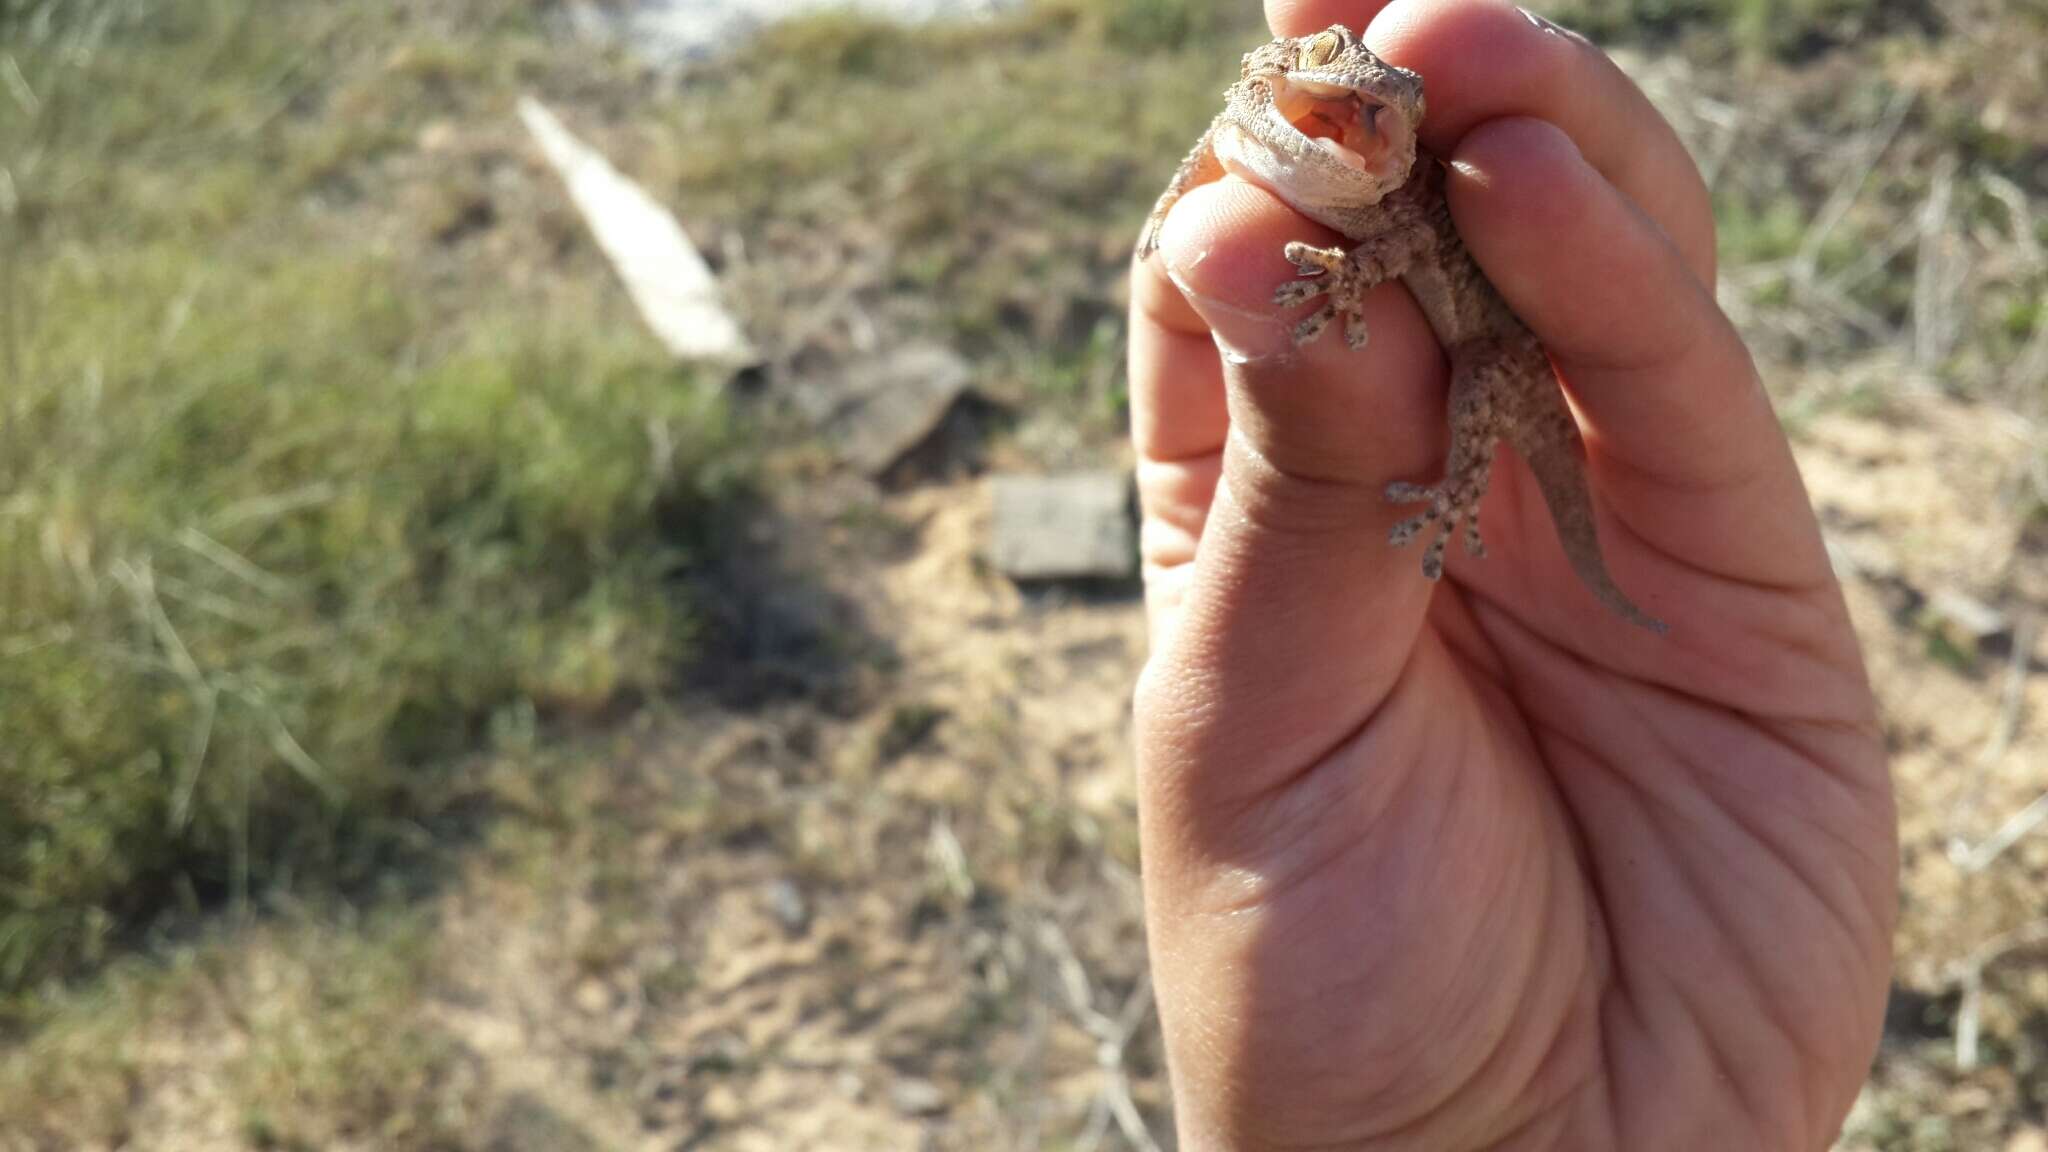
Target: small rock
1070,527
786,900
917,1097
592,998
1969,623
876,412
2028,1140
439,136
1865,557
721,1104
525,1123
718,1053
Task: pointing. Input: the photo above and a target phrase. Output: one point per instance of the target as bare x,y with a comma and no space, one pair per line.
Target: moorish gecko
1330,128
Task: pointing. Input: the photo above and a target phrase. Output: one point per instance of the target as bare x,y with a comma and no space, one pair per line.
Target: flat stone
876,412
1070,527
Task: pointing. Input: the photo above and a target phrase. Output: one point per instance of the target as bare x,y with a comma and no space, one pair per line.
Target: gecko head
1322,117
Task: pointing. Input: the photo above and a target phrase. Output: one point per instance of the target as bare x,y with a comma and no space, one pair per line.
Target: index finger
1484,60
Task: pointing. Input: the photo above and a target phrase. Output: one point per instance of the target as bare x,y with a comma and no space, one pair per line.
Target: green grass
1777,27
283,529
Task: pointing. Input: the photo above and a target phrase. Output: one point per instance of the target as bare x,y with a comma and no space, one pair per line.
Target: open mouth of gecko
1350,127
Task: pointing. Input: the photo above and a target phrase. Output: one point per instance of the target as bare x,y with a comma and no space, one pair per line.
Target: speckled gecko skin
1330,128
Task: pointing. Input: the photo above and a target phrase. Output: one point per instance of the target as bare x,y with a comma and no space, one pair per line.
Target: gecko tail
1561,475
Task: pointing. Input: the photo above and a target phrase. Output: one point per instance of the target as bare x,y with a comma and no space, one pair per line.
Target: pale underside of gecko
1330,128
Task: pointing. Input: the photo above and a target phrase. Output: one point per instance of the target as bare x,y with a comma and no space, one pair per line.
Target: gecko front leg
1344,278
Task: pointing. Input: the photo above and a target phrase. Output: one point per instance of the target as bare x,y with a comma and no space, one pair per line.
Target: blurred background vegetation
370,583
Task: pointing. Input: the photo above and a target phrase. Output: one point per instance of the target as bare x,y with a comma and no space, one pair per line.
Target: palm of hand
1506,913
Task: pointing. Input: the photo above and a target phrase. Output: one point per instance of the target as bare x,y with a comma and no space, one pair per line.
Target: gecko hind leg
1455,501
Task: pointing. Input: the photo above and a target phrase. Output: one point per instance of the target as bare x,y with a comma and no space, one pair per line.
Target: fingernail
1243,335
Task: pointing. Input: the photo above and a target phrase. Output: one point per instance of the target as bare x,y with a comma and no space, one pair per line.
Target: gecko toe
1297,292
1433,559
1356,333
1313,261
1401,492
1306,331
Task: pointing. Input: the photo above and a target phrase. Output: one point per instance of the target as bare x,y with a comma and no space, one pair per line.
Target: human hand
1479,865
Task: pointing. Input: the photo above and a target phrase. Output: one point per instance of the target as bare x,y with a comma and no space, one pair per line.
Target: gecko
1330,128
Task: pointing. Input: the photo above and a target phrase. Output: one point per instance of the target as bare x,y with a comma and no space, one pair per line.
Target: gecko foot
1343,277
1447,509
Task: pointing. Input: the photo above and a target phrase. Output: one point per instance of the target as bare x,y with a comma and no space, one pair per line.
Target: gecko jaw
1349,126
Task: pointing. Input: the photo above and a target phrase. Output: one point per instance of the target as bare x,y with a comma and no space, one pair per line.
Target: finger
1483,60
1178,422
1177,410
1298,607
1676,419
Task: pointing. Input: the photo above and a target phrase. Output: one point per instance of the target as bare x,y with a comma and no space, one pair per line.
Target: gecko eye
1322,49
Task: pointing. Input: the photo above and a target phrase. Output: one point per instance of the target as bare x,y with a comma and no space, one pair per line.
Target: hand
1479,865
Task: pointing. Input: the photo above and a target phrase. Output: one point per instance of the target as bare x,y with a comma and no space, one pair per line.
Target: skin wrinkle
1178,497
1554,1109
1476,925
1343,502
1375,689
1651,810
1256,810
1791,860
1530,978
1608,980
1499,1050
1784,848
1669,684
1723,929
1167,548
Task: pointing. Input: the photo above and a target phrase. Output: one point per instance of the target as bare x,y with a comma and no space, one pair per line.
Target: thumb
1300,615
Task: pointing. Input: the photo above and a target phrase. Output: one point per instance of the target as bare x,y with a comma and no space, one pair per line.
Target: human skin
1478,865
